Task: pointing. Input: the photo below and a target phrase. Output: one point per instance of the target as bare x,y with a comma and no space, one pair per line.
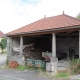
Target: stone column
54,59
9,48
21,45
79,44
21,59
52,65
53,45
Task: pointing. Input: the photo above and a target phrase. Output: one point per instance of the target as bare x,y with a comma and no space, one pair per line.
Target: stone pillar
9,48
53,45
21,45
21,59
52,65
79,44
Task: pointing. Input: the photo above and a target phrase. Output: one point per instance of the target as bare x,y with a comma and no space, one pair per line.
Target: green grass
61,75
20,67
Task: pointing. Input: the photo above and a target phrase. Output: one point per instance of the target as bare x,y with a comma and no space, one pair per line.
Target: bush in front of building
74,66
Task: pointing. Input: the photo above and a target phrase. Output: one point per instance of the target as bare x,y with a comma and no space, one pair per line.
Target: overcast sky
18,13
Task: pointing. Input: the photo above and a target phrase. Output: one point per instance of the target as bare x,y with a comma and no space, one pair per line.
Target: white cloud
16,13
13,16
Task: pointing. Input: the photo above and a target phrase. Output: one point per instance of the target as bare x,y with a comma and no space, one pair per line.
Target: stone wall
63,44
15,41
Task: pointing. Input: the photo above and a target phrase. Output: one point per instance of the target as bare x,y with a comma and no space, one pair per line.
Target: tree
3,44
78,16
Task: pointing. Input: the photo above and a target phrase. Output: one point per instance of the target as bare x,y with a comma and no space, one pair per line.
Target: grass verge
62,75
20,67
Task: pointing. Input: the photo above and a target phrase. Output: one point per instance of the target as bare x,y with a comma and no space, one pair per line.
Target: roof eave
46,30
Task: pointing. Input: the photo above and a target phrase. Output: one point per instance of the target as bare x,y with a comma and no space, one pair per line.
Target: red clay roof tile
1,34
49,23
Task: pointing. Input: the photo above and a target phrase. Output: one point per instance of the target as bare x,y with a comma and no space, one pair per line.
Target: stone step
62,69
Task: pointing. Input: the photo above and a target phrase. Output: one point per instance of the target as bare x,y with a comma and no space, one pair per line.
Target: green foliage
74,66
30,68
3,44
20,67
34,68
78,16
61,75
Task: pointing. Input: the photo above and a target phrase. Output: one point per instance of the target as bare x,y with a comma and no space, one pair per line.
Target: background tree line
78,16
3,44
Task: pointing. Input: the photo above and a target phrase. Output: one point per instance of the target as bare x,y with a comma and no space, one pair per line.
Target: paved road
2,59
10,74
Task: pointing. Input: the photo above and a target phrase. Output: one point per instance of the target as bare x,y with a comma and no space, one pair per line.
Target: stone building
62,31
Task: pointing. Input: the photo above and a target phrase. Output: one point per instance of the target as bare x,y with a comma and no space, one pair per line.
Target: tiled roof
60,21
1,34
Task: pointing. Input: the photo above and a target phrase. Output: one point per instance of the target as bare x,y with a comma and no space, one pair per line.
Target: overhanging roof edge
46,30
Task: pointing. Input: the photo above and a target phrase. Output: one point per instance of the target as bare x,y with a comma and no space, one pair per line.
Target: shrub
74,66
